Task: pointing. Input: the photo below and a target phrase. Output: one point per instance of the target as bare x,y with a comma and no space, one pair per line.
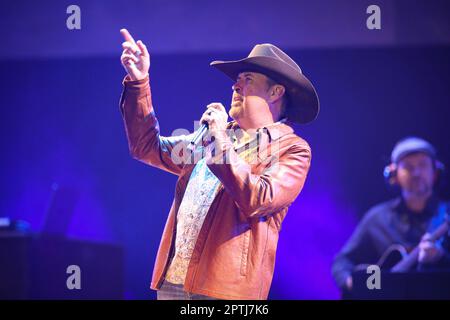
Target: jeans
170,291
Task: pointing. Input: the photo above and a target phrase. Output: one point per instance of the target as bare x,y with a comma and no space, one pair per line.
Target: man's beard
419,187
236,111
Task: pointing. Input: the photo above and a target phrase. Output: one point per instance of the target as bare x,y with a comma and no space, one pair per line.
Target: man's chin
421,191
235,112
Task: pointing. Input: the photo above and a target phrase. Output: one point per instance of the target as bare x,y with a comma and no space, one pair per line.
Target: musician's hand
429,252
135,57
216,116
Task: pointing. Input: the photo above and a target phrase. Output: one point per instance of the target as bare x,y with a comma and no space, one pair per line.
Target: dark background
60,122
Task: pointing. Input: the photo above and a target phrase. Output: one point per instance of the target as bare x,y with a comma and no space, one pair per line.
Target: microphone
198,137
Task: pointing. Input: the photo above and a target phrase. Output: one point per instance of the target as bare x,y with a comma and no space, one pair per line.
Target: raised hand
135,57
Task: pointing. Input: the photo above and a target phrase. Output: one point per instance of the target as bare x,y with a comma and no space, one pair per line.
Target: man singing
221,233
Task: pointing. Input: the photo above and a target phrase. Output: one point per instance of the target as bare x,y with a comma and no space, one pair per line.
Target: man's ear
276,92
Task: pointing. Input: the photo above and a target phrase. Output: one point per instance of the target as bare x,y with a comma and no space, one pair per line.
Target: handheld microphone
198,137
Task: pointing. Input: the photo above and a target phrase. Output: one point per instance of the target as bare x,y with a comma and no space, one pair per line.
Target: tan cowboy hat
303,102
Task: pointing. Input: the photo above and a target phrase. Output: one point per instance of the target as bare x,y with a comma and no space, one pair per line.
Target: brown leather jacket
234,256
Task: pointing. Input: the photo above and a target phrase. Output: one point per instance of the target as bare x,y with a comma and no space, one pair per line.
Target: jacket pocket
245,250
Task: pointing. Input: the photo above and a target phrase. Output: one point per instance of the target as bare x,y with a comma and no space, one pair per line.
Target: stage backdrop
60,122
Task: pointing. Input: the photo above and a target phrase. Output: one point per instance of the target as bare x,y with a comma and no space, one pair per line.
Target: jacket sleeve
266,193
142,129
358,249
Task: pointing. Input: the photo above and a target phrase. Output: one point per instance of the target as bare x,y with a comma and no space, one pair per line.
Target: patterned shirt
200,192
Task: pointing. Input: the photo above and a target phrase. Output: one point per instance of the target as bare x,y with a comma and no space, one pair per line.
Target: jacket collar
274,131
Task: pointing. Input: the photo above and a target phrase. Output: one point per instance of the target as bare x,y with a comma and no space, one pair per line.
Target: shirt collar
429,210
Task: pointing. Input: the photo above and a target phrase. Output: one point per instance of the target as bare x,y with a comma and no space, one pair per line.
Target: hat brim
303,101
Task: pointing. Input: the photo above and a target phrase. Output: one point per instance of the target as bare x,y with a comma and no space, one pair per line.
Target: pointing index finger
127,36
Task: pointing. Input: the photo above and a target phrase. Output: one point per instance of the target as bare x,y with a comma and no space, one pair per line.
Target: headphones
390,172
408,146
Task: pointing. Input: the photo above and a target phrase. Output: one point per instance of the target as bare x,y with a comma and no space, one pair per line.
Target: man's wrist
220,148
222,141
130,79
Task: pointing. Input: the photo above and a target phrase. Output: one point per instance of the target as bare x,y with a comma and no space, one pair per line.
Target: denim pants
170,291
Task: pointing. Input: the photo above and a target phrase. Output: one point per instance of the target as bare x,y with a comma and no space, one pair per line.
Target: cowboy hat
303,102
